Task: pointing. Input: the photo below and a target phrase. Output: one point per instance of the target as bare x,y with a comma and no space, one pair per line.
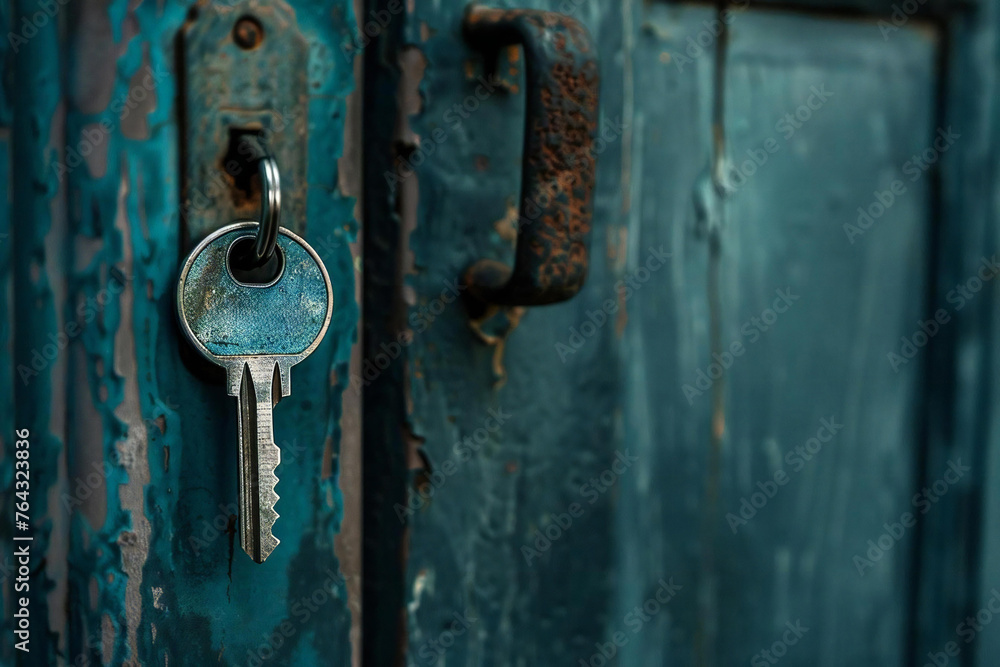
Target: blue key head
226,318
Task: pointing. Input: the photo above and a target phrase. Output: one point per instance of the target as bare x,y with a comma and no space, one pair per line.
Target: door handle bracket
558,172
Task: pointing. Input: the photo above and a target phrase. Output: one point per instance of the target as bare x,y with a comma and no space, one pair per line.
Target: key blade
258,457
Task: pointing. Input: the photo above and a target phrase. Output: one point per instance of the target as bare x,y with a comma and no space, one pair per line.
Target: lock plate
245,71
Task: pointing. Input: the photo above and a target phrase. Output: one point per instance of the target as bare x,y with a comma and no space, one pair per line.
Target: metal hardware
270,202
270,211
248,33
558,173
245,73
257,332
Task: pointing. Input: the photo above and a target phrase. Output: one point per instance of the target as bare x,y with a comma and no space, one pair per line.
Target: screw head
248,33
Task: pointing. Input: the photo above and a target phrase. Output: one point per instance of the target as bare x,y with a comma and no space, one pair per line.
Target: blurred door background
777,444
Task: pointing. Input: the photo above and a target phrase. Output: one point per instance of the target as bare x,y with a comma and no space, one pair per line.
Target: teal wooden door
765,430
134,558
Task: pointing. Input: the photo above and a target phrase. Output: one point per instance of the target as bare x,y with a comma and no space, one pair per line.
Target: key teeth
268,515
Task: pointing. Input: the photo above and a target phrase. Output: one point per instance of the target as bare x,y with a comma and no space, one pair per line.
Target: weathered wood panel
768,216
149,467
540,425
861,107
666,333
38,293
959,546
695,97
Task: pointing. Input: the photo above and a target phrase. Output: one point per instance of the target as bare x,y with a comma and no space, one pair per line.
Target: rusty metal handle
557,180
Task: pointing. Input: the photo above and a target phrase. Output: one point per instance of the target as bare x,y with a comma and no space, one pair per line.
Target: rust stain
617,259
506,226
476,324
499,342
248,33
617,246
555,211
329,455
718,424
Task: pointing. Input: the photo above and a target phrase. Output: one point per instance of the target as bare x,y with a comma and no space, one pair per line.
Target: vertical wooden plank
157,575
821,423
7,377
959,543
665,334
504,435
348,462
738,237
39,292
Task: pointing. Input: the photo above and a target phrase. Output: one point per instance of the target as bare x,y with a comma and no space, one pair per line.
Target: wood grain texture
827,358
149,494
38,292
666,335
697,101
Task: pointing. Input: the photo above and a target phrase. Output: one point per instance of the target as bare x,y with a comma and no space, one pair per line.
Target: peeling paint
34,293
146,450
134,543
468,539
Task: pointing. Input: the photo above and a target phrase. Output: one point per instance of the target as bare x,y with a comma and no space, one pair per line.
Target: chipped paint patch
513,315
107,639
157,592
134,544
141,102
506,227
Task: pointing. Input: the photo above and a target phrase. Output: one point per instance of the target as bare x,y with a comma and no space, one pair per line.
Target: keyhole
240,163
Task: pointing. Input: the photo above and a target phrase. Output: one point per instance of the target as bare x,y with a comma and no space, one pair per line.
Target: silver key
257,332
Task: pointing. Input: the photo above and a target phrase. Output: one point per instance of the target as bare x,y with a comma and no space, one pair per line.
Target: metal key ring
270,203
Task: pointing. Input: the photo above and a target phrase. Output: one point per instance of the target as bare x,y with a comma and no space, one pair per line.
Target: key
257,332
